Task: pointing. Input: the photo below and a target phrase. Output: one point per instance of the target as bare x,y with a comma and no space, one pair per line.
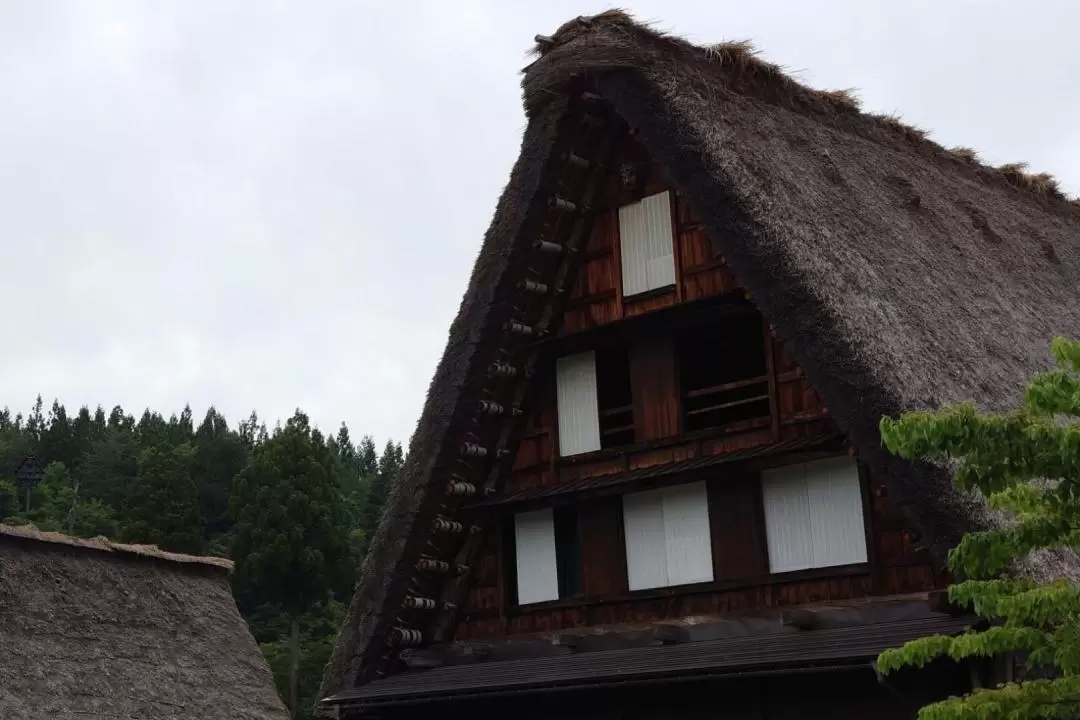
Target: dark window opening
567,550
722,374
613,397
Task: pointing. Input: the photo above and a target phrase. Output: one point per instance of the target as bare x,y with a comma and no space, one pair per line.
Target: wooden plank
770,371
616,253
654,389
729,404
603,555
737,384
737,541
649,302
676,250
500,559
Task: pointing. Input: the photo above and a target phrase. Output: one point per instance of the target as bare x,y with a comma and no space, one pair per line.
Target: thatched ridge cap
103,544
742,58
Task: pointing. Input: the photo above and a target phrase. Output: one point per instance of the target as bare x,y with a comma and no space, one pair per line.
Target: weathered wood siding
741,577
597,298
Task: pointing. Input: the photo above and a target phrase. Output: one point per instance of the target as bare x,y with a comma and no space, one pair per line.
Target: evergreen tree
100,424
219,456
82,435
367,457
182,429
35,425
163,505
109,467
347,459
119,422
388,465
290,537
1000,455
57,438
152,430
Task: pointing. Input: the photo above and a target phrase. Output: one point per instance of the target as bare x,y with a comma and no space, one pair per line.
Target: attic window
645,241
723,375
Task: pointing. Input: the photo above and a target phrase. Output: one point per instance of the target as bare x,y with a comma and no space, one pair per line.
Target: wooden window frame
765,579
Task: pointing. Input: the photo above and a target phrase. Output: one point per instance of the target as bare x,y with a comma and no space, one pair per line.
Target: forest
292,507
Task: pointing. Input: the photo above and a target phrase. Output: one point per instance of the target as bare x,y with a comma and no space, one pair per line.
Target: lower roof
728,656
105,545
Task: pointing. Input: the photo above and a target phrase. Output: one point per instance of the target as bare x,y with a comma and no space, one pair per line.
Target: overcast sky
269,205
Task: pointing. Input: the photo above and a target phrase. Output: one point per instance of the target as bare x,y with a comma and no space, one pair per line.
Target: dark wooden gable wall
795,413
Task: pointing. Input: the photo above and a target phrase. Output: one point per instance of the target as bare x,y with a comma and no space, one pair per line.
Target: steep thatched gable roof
89,628
904,275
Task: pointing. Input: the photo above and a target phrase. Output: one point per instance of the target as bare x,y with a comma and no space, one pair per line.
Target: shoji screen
534,545
579,416
814,515
667,537
646,244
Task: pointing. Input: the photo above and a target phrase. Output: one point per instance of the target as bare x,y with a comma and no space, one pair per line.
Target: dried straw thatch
904,275
94,629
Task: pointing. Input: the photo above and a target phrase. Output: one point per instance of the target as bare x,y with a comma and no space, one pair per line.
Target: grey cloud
277,204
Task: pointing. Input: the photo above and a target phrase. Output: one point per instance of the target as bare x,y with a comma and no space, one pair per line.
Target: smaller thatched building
95,629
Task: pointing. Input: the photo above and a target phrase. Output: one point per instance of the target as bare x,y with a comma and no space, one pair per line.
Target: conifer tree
290,541
162,507
368,457
1026,462
219,455
389,464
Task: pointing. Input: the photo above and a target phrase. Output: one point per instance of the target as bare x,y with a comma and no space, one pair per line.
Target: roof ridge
744,58
104,544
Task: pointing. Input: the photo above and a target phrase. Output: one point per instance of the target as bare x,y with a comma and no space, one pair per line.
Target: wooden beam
770,371
800,618
421,658
939,602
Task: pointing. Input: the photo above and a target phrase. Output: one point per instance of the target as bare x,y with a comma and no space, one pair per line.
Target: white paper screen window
667,537
534,546
646,244
579,415
814,515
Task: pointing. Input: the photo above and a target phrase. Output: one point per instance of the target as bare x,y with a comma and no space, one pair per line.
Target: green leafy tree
163,505
62,509
9,500
290,539
1026,462
318,633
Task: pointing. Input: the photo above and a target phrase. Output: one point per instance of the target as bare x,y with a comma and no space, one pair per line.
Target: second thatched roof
93,629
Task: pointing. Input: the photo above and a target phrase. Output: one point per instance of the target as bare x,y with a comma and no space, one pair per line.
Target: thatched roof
904,275
94,629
